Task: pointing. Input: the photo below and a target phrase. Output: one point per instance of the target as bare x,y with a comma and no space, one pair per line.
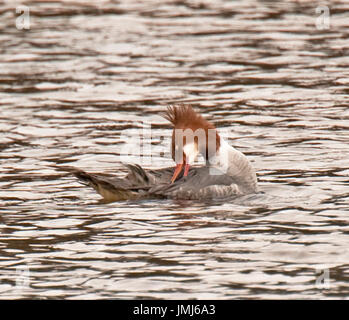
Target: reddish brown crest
184,117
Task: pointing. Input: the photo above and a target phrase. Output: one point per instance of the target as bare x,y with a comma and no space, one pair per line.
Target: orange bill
186,169
178,170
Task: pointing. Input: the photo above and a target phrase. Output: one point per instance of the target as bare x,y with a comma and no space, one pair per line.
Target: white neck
232,162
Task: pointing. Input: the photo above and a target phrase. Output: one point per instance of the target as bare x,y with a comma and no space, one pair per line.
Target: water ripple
86,78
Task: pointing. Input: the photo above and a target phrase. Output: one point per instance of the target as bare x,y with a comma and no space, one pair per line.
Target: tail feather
109,189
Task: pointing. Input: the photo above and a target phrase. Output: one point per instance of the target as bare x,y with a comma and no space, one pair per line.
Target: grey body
142,184
227,171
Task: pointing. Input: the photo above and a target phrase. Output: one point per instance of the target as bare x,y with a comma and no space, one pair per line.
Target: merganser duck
227,172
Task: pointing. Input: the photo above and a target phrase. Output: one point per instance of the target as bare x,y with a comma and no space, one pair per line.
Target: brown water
87,77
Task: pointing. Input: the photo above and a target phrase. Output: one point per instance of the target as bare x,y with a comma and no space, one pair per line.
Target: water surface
87,78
